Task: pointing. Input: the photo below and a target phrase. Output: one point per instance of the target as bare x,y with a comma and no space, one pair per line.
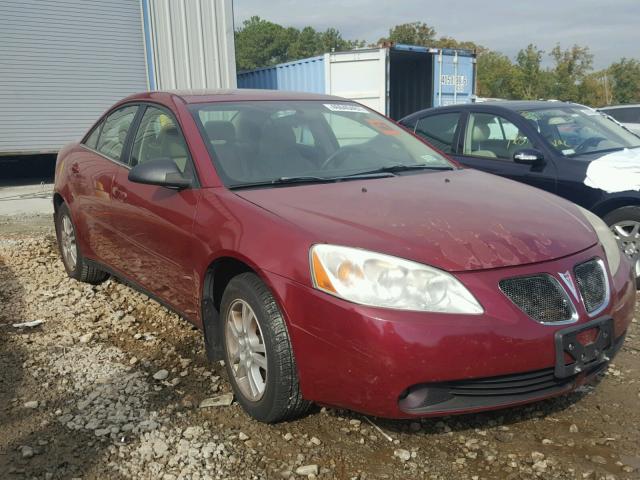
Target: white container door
360,76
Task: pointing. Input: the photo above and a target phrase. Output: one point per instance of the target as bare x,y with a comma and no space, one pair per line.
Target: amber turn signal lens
321,278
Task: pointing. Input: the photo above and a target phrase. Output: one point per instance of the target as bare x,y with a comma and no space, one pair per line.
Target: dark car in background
571,150
627,115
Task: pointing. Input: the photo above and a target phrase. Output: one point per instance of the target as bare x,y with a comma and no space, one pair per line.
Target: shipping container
63,63
396,80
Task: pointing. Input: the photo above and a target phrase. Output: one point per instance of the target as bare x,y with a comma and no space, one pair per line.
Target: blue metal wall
305,75
453,84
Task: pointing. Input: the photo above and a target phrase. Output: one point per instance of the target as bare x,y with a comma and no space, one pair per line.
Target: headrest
481,132
220,131
558,121
279,133
172,142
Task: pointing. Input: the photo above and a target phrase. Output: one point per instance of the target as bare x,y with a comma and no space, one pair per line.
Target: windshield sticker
345,107
382,126
568,151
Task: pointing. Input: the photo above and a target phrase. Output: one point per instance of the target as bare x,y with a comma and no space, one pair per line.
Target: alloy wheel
247,355
628,235
68,242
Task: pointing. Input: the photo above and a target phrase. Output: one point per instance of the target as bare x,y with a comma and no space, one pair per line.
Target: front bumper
371,359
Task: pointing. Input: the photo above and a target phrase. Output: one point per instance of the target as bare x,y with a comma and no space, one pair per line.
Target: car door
155,222
490,140
93,169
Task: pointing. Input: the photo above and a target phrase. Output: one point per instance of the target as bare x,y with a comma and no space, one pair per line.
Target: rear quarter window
92,140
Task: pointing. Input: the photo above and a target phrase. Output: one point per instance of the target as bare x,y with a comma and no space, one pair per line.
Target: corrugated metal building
63,62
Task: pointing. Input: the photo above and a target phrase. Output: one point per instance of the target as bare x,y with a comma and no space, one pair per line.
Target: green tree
304,43
449,42
531,78
416,33
625,80
260,43
571,66
496,76
592,91
331,40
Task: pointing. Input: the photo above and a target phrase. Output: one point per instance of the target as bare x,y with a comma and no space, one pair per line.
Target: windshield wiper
309,179
399,167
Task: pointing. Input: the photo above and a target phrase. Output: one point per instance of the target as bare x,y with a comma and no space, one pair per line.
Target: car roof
514,105
231,95
615,107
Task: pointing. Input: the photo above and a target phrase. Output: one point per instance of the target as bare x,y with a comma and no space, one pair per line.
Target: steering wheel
589,142
335,156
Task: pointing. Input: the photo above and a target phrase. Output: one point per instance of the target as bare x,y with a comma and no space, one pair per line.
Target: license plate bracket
584,356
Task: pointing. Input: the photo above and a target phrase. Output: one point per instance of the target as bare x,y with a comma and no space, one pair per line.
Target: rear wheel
625,225
74,263
257,350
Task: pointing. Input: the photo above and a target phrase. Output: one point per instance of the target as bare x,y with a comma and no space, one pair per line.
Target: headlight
606,238
380,280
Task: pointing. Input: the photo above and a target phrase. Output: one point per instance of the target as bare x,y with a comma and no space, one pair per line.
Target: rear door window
92,139
439,130
114,132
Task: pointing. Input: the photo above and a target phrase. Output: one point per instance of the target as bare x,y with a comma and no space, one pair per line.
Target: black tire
624,214
81,271
282,399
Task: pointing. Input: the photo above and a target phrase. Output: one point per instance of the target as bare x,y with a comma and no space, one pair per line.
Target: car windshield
255,142
574,130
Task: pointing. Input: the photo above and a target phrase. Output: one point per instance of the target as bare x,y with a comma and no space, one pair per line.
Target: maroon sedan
330,256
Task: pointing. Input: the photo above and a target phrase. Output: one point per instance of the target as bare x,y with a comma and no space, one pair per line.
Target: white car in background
627,115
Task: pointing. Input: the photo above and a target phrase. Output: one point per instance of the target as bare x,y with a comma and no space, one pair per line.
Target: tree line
570,76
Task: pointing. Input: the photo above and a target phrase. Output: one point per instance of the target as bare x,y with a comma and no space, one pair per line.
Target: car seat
222,138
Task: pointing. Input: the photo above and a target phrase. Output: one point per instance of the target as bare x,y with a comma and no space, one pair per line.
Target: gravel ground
112,385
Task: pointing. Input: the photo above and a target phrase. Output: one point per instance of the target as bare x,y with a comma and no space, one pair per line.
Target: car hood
455,220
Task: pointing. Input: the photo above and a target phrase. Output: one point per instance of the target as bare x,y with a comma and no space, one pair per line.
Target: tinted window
439,130
625,115
158,137
92,139
493,136
114,132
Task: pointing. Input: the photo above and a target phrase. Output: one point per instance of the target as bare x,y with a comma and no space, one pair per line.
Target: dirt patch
78,398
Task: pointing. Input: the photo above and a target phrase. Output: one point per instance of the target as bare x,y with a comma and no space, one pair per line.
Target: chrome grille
539,296
592,283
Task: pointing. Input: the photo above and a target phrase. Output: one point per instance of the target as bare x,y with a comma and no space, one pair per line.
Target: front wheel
258,354
625,225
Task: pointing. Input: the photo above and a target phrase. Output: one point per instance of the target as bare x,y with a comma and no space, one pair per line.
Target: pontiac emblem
568,281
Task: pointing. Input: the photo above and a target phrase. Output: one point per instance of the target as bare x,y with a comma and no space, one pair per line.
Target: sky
610,28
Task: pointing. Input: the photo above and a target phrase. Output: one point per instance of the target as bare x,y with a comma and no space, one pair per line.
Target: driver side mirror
529,156
162,172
